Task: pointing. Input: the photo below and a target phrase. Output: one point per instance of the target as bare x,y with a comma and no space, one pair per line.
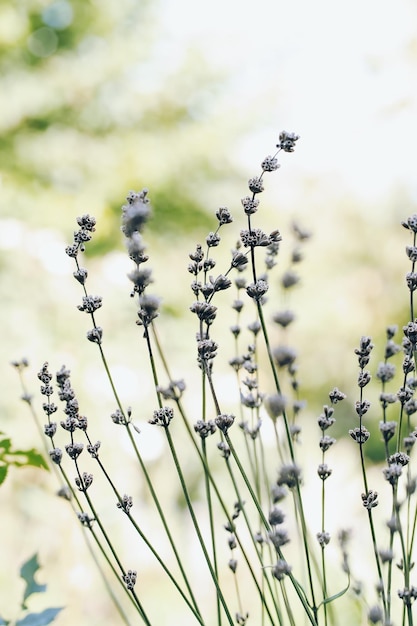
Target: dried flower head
326,419
360,435
84,482
362,407
136,248
254,238
239,261
204,429
287,141
224,422
289,279
289,475
85,519
205,312
387,430
56,455
256,184
173,391
130,579
270,164
364,351
140,279
224,449
284,355
323,538
278,537
276,516
364,377
375,614
250,205
74,450
392,473
275,405
90,304
95,335
324,471
125,503
148,309
162,417
283,318
400,458
411,223
257,290
408,595
224,216
370,499
281,569
136,212
326,442
385,372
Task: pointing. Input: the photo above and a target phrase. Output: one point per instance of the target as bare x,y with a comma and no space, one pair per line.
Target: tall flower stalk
249,516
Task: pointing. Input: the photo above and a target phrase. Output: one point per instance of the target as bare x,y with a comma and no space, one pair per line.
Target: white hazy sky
342,74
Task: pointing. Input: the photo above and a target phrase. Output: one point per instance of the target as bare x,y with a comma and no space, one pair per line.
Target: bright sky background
341,74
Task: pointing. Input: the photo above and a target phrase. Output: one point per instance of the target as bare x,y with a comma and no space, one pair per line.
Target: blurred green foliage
19,458
96,102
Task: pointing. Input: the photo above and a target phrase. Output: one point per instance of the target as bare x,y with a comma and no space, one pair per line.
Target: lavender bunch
251,520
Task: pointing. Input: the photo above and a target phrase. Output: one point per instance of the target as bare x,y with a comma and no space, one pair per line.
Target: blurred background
98,97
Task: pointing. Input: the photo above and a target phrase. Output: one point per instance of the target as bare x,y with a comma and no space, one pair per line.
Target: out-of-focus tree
94,102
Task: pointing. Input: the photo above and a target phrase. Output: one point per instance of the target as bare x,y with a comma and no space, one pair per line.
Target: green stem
211,522
146,474
292,455
370,517
150,546
163,519
63,479
312,618
110,546
216,490
251,533
196,525
323,559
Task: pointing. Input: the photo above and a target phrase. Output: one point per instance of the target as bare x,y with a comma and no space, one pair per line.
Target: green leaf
39,619
3,474
19,458
27,572
336,595
5,445
29,457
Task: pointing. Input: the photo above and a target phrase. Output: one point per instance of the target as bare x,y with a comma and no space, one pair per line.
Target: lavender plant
255,528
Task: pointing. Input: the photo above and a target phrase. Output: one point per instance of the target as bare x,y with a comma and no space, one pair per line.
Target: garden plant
262,558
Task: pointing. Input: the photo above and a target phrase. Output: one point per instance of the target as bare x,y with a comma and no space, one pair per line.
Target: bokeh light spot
58,15
43,42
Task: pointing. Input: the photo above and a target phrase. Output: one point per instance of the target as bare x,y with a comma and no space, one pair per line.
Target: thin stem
196,525
147,542
107,539
369,510
265,523
292,454
162,517
211,522
146,474
259,554
63,479
323,559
